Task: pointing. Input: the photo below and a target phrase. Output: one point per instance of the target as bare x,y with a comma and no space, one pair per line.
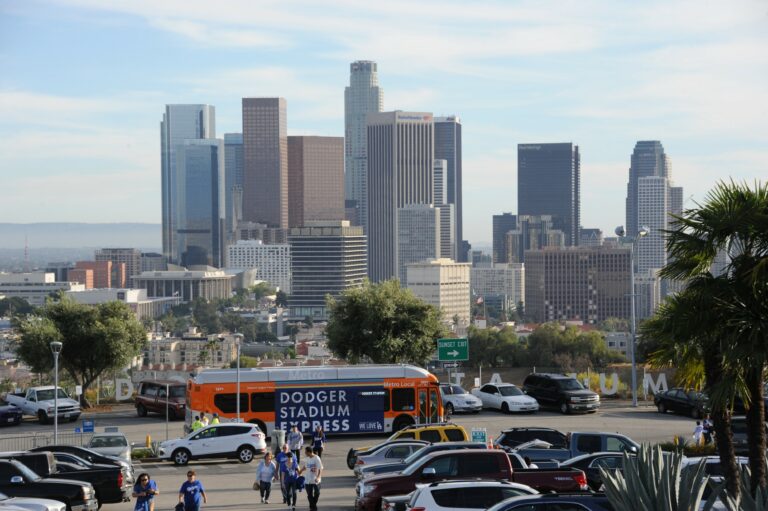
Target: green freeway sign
449,350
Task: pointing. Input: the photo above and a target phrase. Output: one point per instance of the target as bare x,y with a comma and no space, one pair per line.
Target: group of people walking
703,431
285,468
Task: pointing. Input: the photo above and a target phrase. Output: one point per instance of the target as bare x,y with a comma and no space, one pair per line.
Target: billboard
354,409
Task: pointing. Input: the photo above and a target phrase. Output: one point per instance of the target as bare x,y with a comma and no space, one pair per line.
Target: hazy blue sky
83,84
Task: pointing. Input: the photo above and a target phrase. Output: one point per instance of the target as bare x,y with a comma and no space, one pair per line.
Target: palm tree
734,221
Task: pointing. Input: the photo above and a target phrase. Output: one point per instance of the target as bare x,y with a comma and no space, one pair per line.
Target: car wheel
449,409
351,459
504,408
564,408
245,454
180,457
695,413
42,417
661,407
141,411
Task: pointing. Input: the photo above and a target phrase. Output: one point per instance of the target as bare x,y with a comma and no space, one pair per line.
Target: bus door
422,419
434,396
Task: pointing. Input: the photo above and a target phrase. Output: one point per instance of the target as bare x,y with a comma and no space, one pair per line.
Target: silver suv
456,399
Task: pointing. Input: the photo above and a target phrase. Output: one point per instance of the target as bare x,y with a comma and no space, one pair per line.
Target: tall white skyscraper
648,160
418,236
180,123
400,172
652,211
363,96
447,212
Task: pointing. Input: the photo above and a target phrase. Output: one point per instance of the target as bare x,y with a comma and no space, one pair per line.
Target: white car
505,397
225,440
29,504
111,443
456,399
465,495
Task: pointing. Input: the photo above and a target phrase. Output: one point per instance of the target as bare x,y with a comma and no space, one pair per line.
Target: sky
83,84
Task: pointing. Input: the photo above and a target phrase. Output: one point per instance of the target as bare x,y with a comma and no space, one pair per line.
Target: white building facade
418,236
499,283
34,287
272,262
445,284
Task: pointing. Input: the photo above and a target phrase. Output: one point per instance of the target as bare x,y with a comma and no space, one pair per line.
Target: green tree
95,339
245,362
383,323
281,299
205,314
261,290
15,306
614,325
308,322
494,348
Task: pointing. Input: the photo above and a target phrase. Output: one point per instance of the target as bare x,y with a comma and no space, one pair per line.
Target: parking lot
228,483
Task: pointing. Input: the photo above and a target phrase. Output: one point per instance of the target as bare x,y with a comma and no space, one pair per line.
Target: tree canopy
383,323
95,339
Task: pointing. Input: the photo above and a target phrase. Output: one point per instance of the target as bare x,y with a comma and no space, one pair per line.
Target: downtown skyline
91,126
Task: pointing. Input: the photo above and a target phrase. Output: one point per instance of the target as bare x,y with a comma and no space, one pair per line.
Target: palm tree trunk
756,428
721,421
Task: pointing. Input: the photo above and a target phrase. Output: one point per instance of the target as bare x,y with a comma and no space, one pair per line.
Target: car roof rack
476,480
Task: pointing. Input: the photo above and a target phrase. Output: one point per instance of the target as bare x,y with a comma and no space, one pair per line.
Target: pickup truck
17,480
39,402
574,444
491,464
111,483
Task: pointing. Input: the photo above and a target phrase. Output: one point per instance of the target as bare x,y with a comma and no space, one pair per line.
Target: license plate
66,416
11,419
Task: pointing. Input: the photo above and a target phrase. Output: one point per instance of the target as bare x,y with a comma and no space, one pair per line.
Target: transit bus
341,399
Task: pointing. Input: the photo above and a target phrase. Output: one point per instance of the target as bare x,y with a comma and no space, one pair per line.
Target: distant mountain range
80,235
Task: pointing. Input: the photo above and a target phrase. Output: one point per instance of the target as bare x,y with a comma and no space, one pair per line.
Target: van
154,396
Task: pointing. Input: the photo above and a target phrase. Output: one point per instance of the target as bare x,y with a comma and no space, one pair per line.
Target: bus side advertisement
358,409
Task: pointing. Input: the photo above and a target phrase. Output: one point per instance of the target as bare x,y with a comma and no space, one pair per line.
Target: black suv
561,391
512,437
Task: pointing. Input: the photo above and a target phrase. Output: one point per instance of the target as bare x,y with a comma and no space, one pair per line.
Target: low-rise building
272,263
444,284
34,287
192,350
136,299
188,285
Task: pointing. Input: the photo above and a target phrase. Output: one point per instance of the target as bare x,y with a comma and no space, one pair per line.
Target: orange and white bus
343,399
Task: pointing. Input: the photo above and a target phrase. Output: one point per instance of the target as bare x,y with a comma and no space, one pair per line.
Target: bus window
422,406
227,403
403,400
263,402
433,405
373,401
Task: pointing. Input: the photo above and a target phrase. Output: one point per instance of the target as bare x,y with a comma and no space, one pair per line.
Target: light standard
56,349
237,342
641,233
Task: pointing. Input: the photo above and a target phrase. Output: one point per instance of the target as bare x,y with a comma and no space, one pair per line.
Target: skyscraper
648,160
200,203
418,236
131,257
233,178
363,96
548,183
533,232
316,179
265,149
448,246
448,148
502,224
400,172
180,122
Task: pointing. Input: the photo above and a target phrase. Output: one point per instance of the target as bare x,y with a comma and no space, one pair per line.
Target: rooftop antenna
26,254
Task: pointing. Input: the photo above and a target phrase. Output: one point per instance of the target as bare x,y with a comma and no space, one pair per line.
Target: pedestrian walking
318,441
144,492
204,420
215,419
697,433
196,424
280,461
192,493
289,475
266,472
312,470
709,429
295,442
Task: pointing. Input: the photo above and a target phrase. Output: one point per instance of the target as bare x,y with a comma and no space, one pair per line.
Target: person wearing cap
192,494
215,419
280,460
196,424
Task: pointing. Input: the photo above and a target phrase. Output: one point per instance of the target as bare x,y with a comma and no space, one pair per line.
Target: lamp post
56,349
633,333
237,342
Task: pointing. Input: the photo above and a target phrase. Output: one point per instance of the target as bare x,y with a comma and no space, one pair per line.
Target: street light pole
167,399
56,349
237,341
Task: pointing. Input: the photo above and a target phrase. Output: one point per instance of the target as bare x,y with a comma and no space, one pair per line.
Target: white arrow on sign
453,353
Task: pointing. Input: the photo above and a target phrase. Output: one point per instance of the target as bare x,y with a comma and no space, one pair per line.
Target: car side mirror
633,449
17,480
497,393
429,472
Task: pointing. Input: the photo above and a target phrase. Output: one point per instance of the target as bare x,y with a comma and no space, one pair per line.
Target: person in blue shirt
280,460
318,441
192,492
144,492
289,476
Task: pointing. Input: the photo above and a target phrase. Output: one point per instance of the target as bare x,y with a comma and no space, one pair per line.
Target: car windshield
570,384
28,474
455,389
510,390
414,456
45,395
108,441
178,392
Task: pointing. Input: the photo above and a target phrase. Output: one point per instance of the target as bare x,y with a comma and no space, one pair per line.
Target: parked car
88,455
679,400
555,502
592,463
464,495
513,437
456,399
505,397
714,470
10,415
432,433
155,396
392,452
400,465
491,464
111,443
565,393
39,402
17,480
110,483
739,431
395,502
579,443
226,440
30,504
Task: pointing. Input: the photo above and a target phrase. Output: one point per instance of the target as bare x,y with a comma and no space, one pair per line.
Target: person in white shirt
266,472
313,472
698,431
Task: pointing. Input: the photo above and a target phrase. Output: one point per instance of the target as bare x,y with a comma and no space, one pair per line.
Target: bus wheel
402,422
261,425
